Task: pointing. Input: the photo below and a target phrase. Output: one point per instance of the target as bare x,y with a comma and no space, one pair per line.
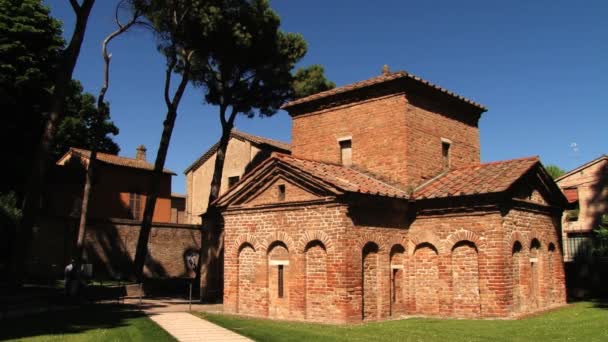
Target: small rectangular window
232,181
346,152
135,205
281,189
445,153
280,280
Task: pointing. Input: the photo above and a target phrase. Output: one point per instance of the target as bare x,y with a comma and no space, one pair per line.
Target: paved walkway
186,327
168,304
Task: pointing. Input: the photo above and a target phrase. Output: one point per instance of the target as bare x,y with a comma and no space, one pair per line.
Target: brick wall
111,195
395,136
427,123
311,238
270,194
362,262
110,247
376,126
537,277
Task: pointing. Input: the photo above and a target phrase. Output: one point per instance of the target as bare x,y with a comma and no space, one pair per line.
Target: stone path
186,327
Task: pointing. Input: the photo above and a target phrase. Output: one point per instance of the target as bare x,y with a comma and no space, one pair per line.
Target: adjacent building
586,188
119,191
121,186
383,209
244,152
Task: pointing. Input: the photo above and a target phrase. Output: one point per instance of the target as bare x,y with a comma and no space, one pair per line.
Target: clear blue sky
541,68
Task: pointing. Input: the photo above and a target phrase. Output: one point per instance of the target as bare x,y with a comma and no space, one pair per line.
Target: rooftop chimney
141,153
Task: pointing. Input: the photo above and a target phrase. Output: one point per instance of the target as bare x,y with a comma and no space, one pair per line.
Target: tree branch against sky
248,70
101,117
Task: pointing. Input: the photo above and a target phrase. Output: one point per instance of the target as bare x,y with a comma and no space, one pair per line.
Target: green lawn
578,322
90,323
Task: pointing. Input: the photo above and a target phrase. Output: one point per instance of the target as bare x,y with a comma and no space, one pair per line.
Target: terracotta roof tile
278,145
117,160
571,194
476,179
344,178
377,80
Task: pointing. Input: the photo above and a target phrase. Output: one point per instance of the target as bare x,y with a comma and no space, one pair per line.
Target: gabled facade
383,210
586,188
244,152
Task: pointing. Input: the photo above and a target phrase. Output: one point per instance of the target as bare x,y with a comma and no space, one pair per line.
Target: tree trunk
86,196
32,198
146,224
218,169
212,229
141,251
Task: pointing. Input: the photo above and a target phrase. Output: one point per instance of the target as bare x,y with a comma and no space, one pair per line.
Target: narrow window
346,152
394,286
280,281
135,205
232,181
281,192
445,153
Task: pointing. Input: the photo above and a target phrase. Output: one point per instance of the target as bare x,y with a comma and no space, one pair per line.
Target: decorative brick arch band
425,237
314,235
391,243
278,237
540,237
463,235
244,239
522,238
371,238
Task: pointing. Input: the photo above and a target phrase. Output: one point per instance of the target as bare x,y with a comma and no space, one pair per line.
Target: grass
89,323
585,321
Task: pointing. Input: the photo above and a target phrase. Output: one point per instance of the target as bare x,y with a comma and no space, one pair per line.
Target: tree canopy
245,60
311,80
30,48
554,171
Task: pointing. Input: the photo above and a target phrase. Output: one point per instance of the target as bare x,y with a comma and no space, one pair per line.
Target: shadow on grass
596,302
71,321
601,303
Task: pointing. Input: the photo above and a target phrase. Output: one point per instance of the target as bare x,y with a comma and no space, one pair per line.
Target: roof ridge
114,159
248,135
110,154
582,166
238,134
377,80
536,157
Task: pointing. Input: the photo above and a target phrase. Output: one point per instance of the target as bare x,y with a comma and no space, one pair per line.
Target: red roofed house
121,186
383,210
586,189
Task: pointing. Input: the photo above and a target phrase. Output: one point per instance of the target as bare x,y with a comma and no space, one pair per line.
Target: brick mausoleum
384,209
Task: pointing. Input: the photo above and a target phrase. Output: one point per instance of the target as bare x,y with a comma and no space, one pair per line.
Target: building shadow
67,322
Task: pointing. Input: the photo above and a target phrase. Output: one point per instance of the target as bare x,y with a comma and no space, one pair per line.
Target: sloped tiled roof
377,80
584,166
278,145
115,160
485,178
344,178
571,194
